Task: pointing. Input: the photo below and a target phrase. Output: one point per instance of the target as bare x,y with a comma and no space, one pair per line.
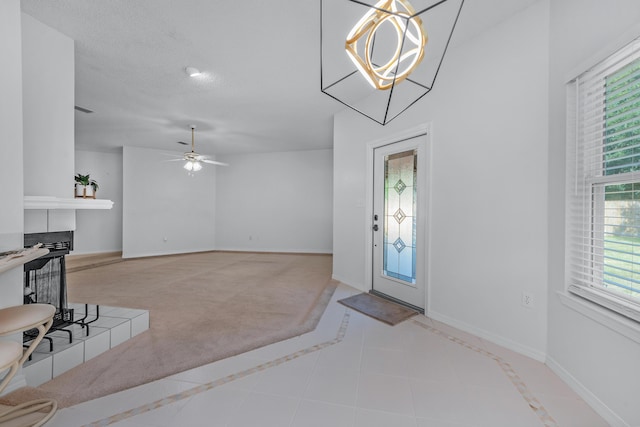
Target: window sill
609,318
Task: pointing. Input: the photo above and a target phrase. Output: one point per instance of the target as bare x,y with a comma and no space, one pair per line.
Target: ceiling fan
193,161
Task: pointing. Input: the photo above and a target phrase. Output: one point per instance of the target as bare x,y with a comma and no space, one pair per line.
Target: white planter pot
84,191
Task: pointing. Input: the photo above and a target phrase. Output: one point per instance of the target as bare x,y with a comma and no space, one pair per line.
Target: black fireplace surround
45,279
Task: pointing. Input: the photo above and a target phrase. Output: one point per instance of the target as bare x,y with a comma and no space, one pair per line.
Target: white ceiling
261,88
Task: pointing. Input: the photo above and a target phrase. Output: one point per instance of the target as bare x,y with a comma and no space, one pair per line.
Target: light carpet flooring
352,371
202,307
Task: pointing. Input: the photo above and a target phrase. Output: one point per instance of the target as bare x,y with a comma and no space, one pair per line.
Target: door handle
375,227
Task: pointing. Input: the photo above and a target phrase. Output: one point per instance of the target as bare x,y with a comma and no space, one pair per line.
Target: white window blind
603,183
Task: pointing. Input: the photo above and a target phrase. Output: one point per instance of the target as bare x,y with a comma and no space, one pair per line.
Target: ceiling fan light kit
193,161
192,158
192,166
379,57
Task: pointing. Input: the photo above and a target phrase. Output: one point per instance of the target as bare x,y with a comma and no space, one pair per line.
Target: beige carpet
378,308
203,307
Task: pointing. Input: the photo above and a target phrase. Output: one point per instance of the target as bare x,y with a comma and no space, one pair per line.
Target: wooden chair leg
18,319
42,330
31,407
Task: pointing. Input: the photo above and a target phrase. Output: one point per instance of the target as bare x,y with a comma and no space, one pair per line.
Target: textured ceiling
261,85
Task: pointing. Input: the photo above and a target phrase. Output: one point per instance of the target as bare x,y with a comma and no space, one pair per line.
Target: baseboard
592,400
161,254
75,255
496,339
156,255
275,251
86,261
348,283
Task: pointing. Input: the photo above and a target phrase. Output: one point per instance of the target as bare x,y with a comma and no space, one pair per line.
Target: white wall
48,96
164,210
262,203
598,362
278,202
100,230
488,112
48,100
11,178
11,190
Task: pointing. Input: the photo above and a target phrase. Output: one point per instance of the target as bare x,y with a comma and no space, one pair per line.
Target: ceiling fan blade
213,162
174,160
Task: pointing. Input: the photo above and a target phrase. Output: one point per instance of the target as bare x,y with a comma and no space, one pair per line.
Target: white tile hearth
108,328
98,342
67,358
38,370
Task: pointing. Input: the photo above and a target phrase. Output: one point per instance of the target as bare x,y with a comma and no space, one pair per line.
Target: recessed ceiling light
192,71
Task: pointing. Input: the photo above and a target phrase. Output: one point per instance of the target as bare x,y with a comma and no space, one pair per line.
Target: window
603,183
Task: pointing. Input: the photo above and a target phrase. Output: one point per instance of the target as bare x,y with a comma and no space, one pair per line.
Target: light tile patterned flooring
352,371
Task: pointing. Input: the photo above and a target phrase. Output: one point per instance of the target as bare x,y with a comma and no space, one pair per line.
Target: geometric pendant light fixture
380,57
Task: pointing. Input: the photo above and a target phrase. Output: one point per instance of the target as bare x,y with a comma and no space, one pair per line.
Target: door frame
423,132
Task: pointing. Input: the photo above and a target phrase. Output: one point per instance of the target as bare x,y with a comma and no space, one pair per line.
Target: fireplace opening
45,278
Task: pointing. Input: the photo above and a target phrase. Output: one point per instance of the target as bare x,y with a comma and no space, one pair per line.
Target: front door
398,223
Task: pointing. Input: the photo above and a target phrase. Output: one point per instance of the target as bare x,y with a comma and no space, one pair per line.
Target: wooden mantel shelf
46,202
20,256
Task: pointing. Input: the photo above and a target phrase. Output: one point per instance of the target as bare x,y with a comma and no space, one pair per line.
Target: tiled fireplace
68,344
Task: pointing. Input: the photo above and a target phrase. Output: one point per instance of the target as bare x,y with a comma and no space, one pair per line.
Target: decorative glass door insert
399,239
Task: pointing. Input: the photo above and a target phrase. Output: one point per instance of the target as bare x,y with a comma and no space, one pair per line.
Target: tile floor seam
348,414
194,383
221,381
295,412
360,360
414,400
243,400
354,414
306,389
535,405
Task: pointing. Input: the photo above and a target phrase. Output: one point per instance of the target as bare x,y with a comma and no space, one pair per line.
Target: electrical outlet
527,299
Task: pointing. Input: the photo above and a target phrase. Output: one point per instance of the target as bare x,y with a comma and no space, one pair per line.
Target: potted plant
85,186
